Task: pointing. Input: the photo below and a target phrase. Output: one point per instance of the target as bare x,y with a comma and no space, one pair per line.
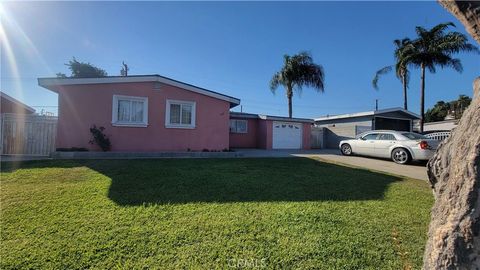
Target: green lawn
209,213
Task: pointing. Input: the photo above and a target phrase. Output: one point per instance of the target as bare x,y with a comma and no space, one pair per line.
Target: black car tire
346,149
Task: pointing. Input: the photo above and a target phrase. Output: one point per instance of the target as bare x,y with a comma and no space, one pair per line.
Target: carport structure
346,126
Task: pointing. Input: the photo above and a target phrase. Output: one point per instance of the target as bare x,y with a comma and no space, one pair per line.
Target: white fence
23,134
439,136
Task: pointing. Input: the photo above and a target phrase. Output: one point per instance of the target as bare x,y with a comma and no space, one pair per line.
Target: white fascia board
198,90
360,114
269,117
398,109
340,116
49,82
285,119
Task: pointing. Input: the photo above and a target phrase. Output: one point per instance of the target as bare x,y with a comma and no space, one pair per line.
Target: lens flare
14,41
6,48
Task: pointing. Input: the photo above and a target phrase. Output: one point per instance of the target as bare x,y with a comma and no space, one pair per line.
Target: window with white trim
180,114
238,126
130,111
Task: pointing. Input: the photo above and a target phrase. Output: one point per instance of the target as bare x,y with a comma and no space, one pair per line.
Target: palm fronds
379,73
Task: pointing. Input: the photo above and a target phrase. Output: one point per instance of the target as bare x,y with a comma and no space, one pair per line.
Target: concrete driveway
415,170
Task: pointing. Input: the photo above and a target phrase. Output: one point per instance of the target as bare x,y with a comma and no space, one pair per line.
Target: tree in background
124,70
438,112
460,105
436,47
402,48
298,70
443,109
82,70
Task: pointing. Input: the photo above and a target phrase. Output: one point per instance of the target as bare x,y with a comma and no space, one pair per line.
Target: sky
230,47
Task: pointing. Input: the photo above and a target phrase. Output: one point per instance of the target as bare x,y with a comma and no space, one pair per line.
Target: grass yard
209,213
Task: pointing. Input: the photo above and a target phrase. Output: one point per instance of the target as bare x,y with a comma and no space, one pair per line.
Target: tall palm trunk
289,97
404,82
422,97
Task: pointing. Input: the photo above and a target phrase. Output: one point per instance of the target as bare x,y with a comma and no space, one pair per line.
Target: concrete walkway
415,170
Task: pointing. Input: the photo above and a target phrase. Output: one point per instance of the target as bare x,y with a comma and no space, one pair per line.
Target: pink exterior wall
307,130
260,135
265,134
245,140
81,106
7,106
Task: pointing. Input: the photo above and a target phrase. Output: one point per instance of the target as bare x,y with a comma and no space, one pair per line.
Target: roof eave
18,102
360,114
50,83
342,116
398,109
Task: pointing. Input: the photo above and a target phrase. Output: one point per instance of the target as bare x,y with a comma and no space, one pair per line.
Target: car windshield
414,136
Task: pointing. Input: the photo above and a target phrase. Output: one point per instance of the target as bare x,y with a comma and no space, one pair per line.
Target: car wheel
401,156
346,149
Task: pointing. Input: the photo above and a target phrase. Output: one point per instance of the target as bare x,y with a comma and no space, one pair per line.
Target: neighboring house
269,132
22,131
9,104
344,126
445,125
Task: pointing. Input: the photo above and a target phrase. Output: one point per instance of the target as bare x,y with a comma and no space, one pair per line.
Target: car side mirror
361,138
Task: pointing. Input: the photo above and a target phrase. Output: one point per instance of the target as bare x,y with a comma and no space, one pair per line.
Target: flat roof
368,113
269,117
49,82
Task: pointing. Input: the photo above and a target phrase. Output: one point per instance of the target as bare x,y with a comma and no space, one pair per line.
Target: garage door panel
287,135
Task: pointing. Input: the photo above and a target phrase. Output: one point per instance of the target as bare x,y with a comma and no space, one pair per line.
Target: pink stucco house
152,113
269,132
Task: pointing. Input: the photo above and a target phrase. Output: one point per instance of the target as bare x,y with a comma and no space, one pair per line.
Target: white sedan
401,146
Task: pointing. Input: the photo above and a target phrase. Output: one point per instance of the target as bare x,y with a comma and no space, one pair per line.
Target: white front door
287,135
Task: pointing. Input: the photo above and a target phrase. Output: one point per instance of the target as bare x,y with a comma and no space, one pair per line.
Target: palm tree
435,47
402,48
298,71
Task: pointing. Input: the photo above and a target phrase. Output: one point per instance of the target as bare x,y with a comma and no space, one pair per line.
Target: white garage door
287,135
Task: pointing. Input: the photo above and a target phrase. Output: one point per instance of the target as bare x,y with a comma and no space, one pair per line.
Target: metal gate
317,137
439,136
23,134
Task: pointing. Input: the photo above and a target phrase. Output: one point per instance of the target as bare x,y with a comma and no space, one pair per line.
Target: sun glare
15,42
5,43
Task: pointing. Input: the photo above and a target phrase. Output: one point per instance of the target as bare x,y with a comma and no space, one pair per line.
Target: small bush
99,138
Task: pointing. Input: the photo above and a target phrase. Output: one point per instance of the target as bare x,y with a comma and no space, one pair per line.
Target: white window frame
115,122
180,102
236,130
